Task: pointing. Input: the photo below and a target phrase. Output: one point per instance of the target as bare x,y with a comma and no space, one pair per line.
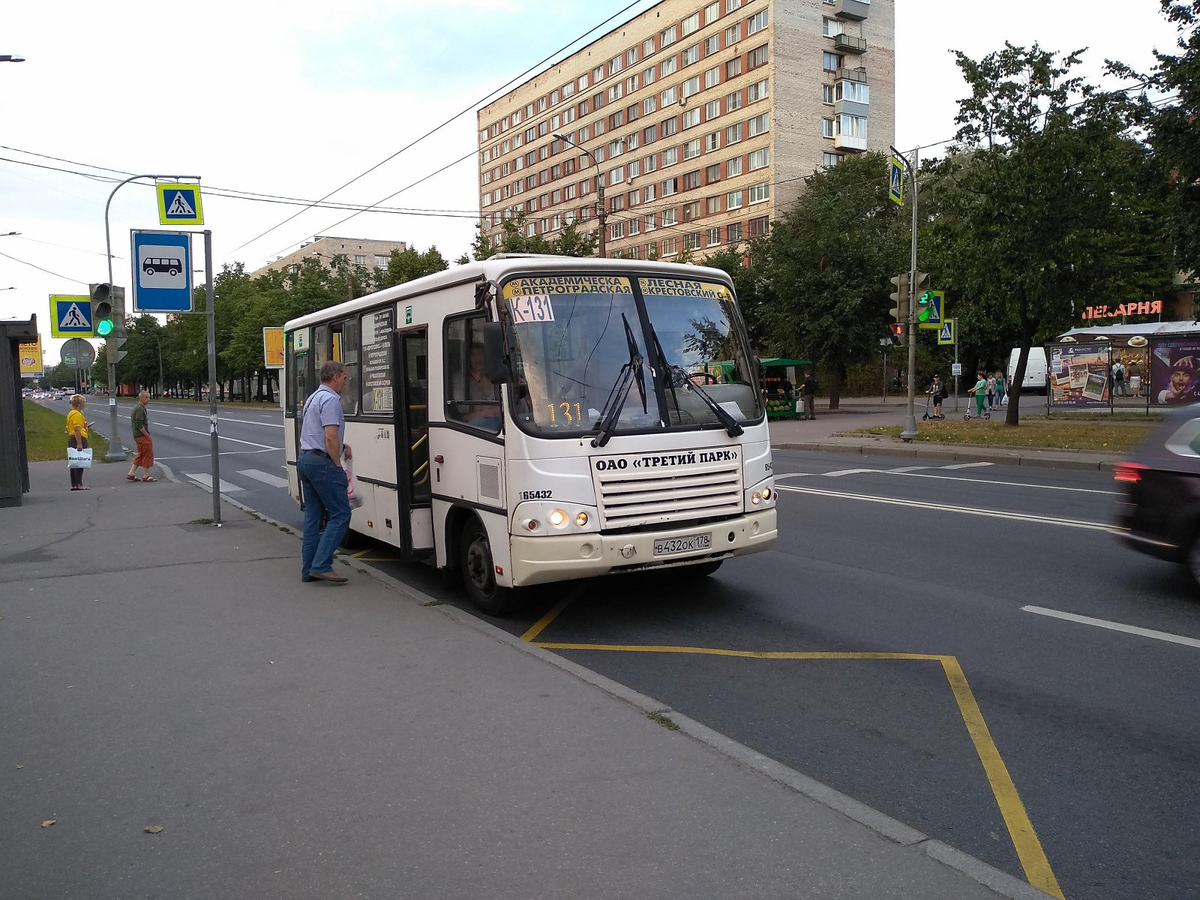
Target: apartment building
367,252
698,121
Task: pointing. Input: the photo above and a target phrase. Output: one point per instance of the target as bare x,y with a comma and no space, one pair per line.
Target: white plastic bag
79,459
352,493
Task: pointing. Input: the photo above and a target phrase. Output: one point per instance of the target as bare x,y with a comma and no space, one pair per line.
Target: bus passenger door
412,442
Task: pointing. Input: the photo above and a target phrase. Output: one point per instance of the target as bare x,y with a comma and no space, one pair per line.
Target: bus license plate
689,544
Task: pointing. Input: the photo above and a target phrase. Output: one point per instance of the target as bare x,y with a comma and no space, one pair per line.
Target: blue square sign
162,271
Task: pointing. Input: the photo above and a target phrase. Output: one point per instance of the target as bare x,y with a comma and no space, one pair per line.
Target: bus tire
479,572
703,570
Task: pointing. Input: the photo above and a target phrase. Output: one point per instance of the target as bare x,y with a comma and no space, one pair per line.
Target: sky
295,100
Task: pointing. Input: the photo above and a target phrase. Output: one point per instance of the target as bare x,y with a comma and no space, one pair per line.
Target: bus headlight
581,519
557,518
762,495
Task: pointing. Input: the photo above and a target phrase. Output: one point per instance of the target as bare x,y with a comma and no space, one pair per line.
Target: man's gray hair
331,370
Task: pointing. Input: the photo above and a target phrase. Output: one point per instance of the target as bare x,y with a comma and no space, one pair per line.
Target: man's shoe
307,578
328,576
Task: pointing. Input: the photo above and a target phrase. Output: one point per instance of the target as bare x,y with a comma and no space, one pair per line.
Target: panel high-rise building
698,121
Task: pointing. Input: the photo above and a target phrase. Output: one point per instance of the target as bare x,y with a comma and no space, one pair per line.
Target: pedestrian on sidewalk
322,477
808,393
938,390
140,423
77,437
1118,373
1001,388
991,390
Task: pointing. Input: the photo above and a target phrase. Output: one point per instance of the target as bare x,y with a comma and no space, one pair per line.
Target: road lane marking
540,625
840,472
223,453
159,411
264,477
224,438
904,470
969,465
1022,484
942,507
1113,626
206,480
1029,848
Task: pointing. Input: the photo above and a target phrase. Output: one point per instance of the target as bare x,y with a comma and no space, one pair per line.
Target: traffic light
897,331
900,298
116,340
102,320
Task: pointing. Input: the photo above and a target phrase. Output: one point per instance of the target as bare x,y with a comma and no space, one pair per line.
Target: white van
1035,370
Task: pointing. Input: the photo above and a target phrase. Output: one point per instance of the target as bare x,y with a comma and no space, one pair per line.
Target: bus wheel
703,570
479,572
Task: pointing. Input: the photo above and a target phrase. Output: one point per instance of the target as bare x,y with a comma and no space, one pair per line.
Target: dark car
1160,512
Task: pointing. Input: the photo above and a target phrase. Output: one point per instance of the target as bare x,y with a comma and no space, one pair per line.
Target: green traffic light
104,327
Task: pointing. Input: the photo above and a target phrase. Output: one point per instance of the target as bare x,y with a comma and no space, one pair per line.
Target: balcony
850,108
848,142
859,74
852,9
848,43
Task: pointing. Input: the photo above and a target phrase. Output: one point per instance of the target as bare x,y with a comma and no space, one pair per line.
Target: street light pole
602,207
910,420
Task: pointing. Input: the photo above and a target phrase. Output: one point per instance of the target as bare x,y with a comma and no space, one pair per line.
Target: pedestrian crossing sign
946,333
179,204
896,185
70,316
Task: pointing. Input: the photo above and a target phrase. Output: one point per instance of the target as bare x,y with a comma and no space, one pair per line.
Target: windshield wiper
630,371
727,421
665,367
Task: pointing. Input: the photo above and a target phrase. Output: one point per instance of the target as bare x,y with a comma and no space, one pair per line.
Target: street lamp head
11,57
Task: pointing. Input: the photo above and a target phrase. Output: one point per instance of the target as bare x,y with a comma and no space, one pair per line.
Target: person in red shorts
141,436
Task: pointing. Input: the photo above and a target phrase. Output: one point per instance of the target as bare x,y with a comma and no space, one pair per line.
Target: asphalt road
921,661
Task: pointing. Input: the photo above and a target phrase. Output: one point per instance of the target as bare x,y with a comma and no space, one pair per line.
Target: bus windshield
571,350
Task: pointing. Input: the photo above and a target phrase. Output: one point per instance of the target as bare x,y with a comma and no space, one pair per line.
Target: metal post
956,366
212,378
910,421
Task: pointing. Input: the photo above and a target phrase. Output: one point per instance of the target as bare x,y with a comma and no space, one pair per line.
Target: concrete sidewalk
311,741
825,432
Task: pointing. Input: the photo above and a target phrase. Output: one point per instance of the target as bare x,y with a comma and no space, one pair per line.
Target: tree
750,270
1045,204
830,259
1172,126
513,239
410,265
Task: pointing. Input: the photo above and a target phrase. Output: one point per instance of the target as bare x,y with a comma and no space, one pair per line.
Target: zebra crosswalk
233,487
898,470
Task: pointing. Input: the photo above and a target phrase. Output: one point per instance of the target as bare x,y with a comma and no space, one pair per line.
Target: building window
651,221
691,118
759,159
712,142
827,128
670,126
712,205
648,47
668,66
649,105
733,68
712,45
857,91
712,77
691,55
616,230
649,134
756,23
669,96
827,94
732,6
830,27
760,124
733,200
691,87
757,91
759,226
691,24
756,57
670,156
733,233
691,149
632,56
733,133
733,167
381,262
670,246
691,181
733,34
635,225
670,187
760,193
733,101
649,76
691,241
670,217
712,174
668,37
712,237
851,126
360,260
712,109
712,12
650,163
831,62
616,92
829,160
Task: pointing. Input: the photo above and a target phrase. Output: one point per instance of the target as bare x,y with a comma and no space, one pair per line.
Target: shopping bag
352,493
79,459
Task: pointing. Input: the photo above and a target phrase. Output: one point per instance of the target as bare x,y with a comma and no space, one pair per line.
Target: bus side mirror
493,353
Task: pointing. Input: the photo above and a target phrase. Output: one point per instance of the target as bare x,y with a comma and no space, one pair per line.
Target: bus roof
501,266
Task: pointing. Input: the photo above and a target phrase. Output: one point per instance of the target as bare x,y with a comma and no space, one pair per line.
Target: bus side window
299,372
346,351
471,397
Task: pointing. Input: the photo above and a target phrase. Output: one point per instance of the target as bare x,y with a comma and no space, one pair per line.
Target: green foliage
513,239
830,258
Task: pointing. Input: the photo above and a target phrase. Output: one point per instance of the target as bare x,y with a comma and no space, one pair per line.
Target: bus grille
632,493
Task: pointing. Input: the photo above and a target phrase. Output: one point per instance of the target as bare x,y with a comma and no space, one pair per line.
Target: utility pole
910,420
601,206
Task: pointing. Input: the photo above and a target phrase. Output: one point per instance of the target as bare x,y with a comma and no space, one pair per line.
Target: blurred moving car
1160,511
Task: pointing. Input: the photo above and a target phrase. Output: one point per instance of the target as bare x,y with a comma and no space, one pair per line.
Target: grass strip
1052,434
46,435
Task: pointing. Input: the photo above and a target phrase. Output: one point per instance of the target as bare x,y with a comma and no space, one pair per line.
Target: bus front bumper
541,560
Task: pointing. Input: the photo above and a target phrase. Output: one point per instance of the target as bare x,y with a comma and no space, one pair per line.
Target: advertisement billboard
1175,370
1080,374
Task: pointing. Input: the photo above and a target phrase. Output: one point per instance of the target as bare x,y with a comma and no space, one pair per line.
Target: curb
955,452
885,826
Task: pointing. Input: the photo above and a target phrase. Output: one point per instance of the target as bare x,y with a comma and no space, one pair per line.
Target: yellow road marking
1020,828
1024,838
540,625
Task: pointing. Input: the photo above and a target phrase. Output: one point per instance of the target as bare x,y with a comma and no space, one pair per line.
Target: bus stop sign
162,271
